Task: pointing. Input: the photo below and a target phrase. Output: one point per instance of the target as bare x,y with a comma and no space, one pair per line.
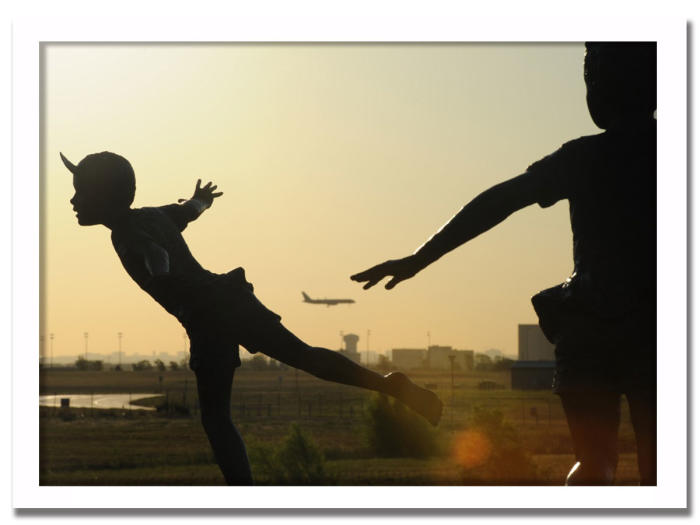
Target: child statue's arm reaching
481,214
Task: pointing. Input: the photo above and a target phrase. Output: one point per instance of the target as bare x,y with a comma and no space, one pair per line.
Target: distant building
438,357
534,369
371,356
350,350
408,358
533,345
532,375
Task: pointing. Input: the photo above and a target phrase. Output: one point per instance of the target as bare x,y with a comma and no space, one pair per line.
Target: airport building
533,345
438,357
408,358
532,375
434,358
534,369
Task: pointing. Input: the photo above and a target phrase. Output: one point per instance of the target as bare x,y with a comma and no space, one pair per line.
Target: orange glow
471,448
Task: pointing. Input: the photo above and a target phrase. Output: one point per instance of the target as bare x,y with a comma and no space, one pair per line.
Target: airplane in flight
327,302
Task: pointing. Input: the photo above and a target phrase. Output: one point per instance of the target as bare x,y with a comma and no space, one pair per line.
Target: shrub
383,363
258,362
503,364
296,461
490,451
392,430
145,364
85,364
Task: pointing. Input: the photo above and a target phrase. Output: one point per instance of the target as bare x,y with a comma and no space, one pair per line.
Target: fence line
271,405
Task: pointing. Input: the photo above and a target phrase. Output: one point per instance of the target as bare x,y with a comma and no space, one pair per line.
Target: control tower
350,350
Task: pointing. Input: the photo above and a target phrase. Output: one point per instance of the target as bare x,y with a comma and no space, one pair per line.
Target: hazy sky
331,158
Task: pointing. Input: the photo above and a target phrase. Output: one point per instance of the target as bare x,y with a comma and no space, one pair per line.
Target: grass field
169,447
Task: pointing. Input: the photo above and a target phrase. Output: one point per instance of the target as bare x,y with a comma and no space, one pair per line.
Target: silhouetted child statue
602,320
219,312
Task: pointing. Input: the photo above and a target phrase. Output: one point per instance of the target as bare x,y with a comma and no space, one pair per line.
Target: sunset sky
331,158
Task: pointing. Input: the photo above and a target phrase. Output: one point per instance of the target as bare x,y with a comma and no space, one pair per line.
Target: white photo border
28,36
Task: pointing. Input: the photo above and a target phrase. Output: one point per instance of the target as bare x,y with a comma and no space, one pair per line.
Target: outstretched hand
204,194
398,269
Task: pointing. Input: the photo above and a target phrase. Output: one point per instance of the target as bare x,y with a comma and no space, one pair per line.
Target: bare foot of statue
423,401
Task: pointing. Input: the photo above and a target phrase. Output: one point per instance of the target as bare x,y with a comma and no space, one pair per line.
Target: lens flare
471,448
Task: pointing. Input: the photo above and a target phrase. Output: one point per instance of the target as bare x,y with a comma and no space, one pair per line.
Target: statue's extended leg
281,344
594,419
214,381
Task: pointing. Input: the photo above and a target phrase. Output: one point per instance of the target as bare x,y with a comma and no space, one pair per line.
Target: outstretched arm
202,199
481,214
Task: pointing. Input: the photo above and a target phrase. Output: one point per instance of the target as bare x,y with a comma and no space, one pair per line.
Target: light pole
85,334
119,338
368,333
51,350
452,381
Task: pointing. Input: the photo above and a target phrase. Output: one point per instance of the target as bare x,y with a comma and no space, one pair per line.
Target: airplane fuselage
327,302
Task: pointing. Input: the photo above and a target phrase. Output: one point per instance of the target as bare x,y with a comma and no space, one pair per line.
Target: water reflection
103,401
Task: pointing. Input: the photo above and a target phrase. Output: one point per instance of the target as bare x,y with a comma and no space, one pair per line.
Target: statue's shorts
227,314
600,355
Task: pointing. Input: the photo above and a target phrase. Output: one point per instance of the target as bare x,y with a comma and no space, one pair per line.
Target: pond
101,401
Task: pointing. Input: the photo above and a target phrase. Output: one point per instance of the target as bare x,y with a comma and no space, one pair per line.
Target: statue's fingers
374,273
362,276
219,194
199,183
371,283
393,282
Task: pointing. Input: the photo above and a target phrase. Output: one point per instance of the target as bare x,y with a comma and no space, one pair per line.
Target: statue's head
104,186
620,82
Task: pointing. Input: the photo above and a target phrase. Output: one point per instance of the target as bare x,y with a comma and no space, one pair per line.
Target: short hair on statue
620,80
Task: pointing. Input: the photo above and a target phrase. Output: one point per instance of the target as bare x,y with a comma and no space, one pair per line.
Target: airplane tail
306,297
